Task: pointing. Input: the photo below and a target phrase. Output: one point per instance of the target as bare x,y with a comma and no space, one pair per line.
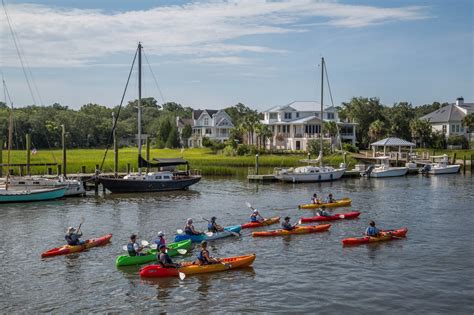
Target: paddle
250,206
80,224
181,276
341,216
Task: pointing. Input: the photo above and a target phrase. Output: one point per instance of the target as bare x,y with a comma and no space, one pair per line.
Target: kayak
68,249
298,230
387,235
268,221
126,260
188,268
336,216
339,203
203,237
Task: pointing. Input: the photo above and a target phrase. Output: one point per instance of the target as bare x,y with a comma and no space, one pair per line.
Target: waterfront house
295,124
448,119
209,123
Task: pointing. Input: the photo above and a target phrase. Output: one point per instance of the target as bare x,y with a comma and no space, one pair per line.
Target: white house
448,119
293,125
210,123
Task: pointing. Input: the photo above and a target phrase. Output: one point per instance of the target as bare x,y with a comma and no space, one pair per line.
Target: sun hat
161,234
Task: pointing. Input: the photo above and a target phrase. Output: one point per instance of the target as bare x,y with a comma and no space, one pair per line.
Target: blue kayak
203,237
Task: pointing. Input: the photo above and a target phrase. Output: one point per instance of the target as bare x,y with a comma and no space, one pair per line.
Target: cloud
53,36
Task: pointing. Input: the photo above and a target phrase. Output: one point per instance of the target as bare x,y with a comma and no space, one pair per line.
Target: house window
462,129
206,121
273,128
287,115
330,115
453,128
316,114
279,128
208,131
444,129
273,115
297,115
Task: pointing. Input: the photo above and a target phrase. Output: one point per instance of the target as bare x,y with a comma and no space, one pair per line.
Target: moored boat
69,249
73,187
189,268
150,255
336,216
440,166
387,235
266,222
22,195
383,169
228,231
339,203
297,230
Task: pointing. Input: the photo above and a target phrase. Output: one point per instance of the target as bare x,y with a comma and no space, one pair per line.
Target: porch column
353,135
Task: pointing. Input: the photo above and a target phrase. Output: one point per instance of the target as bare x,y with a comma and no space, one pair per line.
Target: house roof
301,106
393,142
450,112
197,113
185,121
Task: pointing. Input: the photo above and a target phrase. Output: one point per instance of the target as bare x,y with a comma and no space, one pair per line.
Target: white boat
313,173
440,166
383,169
73,186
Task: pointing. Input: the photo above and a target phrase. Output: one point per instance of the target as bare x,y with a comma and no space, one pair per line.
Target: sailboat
312,173
151,181
9,193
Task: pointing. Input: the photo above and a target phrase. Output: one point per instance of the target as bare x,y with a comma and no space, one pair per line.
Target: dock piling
28,154
83,169
1,158
50,171
128,168
59,169
256,164
454,159
464,166
63,140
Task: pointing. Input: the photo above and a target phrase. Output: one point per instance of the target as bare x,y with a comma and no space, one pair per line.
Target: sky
216,53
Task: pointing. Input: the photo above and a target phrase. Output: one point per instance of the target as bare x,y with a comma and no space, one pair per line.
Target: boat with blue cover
228,231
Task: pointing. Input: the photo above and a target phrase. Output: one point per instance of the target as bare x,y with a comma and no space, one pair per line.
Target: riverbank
202,159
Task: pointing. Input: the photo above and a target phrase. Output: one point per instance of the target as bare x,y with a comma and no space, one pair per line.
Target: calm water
431,271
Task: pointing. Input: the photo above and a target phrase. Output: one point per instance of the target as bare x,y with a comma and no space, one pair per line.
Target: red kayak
387,235
265,222
68,249
337,216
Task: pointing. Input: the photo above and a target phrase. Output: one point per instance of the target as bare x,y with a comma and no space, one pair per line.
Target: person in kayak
286,225
189,228
160,240
133,248
203,258
315,200
213,227
72,237
255,216
372,230
323,212
164,260
330,199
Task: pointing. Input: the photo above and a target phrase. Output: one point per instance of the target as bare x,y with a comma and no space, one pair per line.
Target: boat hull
69,249
385,236
266,222
337,216
120,185
228,231
311,177
188,268
298,230
392,172
344,202
449,169
10,196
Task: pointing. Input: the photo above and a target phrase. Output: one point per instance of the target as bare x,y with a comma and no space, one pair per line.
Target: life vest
166,257
287,226
253,218
131,249
71,239
203,258
210,227
372,231
188,230
160,241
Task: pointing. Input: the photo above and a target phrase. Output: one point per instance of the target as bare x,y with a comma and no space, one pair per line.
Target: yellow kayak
339,203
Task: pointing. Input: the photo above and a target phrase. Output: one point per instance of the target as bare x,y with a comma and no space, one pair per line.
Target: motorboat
383,169
74,187
440,166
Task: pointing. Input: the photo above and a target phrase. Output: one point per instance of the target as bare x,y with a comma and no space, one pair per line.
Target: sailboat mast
139,106
10,137
322,121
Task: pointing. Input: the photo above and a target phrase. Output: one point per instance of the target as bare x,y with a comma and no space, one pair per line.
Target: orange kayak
298,230
268,221
68,249
188,268
387,235
339,203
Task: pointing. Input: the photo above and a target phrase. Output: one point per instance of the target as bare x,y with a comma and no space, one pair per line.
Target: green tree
163,133
421,131
173,138
186,134
377,130
468,122
332,130
178,109
399,117
238,112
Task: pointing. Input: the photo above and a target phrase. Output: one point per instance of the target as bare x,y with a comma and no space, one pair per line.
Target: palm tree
263,132
468,122
420,131
332,129
377,130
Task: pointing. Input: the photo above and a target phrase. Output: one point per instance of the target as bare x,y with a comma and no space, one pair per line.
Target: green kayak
126,260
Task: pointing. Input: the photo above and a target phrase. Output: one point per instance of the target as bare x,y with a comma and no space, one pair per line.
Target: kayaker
255,216
213,227
189,229
323,212
160,240
72,237
286,225
330,199
133,248
372,230
315,199
203,258
164,259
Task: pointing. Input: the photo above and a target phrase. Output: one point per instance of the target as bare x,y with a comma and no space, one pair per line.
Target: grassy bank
202,159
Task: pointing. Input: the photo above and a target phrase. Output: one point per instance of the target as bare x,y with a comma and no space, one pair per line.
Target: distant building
448,119
293,125
210,123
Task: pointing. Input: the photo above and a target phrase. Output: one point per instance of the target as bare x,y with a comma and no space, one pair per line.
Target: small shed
392,142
